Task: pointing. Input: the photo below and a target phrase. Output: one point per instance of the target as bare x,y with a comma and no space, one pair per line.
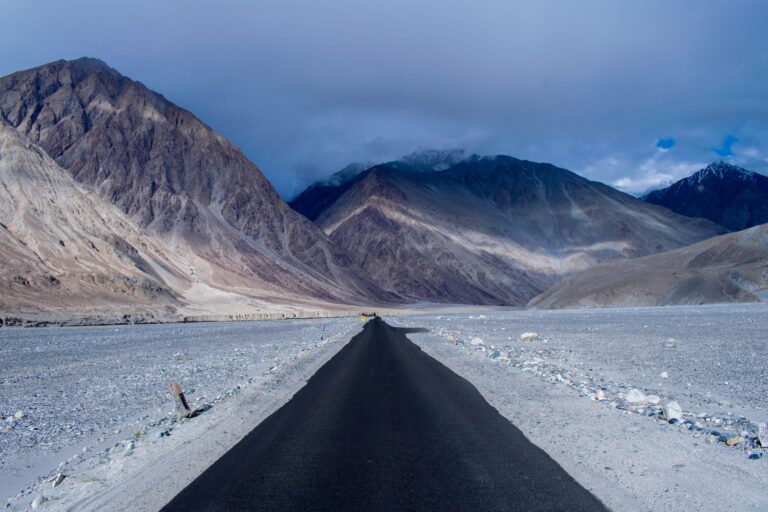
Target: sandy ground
626,455
245,370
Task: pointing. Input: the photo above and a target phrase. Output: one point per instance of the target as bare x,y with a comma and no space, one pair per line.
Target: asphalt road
383,426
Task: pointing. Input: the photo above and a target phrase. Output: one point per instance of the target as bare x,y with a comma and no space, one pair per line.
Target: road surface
383,426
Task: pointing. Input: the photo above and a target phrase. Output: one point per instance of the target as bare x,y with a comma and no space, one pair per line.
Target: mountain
728,268
181,182
319,196
725,194
489,230
63,251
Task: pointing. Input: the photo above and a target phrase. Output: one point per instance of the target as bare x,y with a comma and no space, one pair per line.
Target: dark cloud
306,87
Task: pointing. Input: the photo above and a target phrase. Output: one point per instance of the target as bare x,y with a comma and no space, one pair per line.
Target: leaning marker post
181,400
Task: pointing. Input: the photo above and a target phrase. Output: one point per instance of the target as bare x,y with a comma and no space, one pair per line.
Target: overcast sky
632,93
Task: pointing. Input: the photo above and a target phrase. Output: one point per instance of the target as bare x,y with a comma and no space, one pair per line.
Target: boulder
762,434
529,336
476,342
635,396
671,411
652,399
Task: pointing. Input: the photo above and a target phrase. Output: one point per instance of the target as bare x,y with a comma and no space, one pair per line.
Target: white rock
38,501
762,434
529,336
672,410
600,395
19,415
56,481
664,375
635,396
476,342
652,399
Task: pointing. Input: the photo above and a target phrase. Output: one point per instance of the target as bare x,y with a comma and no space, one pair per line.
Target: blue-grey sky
632,93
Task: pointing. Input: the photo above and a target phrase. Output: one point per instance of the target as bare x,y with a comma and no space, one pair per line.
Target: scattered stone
56,481
19,415
600,395
529,336
37,502
476,342
756,455
733,441
652,399
762,434
664,375
635,396
672,411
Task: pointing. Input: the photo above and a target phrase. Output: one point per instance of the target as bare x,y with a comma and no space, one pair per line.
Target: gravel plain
78,390
709,359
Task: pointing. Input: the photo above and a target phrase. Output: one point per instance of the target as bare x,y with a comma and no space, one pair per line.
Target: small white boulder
762,434
19,415
600,395
529,336
664,375
476,342
672,410
37,502
635,396
652,399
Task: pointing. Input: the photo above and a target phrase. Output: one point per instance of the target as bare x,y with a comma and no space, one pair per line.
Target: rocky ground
655,408
93,403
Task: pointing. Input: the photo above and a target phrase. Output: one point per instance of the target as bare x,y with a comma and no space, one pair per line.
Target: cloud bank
631,93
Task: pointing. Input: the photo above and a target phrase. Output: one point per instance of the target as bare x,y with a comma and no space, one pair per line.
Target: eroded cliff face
179,180
64,251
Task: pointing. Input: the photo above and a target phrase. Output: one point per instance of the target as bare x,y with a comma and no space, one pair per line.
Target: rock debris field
649,408
71,393
701,370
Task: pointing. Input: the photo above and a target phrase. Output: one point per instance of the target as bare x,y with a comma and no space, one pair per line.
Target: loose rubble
546,362
125,405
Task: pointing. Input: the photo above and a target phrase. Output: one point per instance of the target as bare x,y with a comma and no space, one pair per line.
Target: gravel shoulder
158,455
625,455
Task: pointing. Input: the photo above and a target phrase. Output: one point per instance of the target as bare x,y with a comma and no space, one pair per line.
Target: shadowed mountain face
64,251
179,180
728,268
725,194
490,230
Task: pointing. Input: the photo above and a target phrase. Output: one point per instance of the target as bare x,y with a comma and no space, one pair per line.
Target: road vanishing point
382,426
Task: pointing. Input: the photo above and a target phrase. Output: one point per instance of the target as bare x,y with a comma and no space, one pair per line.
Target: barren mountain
728,268
491,230
63,251
180,181
725,194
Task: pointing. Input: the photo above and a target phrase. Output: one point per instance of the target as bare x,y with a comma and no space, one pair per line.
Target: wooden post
181,400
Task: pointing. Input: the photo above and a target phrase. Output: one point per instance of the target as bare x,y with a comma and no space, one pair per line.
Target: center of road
383,426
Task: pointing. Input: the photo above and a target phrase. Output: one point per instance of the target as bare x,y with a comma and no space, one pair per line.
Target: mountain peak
722,169
721,192
435,159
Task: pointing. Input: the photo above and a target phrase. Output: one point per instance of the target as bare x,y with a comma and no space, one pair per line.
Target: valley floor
714,363
94,399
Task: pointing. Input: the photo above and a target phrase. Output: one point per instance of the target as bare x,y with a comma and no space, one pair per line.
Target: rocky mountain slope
725,194
63,251
317,197
728,268
180,181
490,230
